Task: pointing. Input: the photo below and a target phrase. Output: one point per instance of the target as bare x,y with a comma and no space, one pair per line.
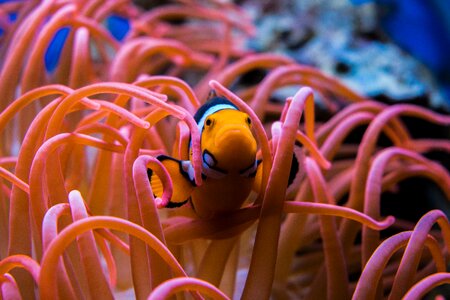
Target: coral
86,109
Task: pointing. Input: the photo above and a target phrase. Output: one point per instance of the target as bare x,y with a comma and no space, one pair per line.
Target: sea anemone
86,108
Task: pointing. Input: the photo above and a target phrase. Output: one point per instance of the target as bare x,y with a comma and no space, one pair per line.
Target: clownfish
230,168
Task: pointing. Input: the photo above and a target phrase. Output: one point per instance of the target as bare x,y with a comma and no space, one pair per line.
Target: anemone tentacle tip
389,221
146,125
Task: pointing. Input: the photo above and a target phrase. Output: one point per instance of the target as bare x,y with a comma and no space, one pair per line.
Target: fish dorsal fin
212,94
182,185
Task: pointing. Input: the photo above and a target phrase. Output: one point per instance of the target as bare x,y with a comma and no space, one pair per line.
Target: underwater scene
219,149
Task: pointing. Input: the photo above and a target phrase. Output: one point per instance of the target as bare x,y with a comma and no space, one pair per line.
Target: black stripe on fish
176,204
210,103
163,157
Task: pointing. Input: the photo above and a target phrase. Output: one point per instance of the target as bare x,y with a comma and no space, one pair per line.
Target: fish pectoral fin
182,185
155,183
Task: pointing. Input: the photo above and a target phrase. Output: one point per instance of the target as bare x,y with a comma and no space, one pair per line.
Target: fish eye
208,122
248,120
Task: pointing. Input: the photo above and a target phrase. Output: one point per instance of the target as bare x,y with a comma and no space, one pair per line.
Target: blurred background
391,50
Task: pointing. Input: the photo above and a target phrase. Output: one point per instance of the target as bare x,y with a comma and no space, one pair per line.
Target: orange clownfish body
229,164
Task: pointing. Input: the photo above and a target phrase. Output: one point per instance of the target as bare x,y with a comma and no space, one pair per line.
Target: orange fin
182,185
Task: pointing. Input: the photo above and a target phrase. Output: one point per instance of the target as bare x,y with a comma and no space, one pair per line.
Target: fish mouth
235,149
